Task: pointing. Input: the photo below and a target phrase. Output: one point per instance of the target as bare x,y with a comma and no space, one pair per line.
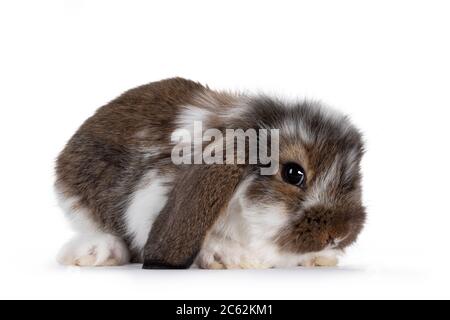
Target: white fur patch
147,202
189,114
295,129
319,192
191,124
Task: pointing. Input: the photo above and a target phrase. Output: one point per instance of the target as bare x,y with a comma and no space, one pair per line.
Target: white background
386,63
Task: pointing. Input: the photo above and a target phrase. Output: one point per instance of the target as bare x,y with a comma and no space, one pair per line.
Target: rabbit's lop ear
199,195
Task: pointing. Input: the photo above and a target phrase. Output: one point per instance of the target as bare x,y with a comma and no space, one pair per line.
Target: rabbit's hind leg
90,246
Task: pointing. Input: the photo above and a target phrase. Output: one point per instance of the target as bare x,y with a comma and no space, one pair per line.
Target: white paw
321,261
94,250
211,260
216,265
248,264
326,261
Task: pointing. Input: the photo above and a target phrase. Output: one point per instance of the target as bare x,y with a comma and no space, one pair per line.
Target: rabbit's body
129,202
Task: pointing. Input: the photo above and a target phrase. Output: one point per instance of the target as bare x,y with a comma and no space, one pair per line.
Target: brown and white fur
130,203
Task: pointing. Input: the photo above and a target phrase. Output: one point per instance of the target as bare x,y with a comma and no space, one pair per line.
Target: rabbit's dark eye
294,174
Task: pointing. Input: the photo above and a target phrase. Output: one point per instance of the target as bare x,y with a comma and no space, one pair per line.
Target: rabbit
129,202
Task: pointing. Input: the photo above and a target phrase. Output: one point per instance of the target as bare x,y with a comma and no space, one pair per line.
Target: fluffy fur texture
116,181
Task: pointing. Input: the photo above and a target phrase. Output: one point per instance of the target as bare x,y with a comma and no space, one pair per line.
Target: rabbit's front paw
321,261
217,261
248,264
94,250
